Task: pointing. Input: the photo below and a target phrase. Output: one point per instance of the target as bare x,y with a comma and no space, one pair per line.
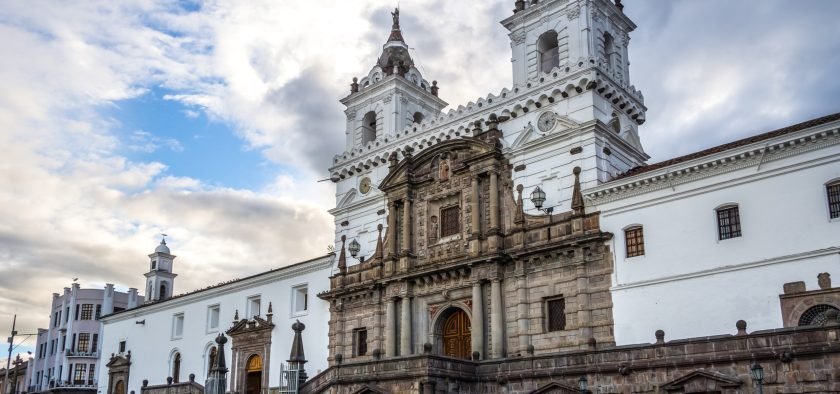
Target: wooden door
457,341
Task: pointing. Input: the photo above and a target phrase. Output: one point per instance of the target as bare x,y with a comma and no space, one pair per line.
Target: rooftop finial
396,17
163,238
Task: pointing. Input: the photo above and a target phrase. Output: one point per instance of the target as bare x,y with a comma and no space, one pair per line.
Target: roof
731,145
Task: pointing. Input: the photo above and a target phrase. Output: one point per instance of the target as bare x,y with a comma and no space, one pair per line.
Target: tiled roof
731,145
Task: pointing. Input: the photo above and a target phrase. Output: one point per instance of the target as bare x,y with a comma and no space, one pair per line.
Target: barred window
833,192
360,339
87,311
816,315
729,222
98,311
634,240
91,374
79,374
556,314
84,342
449,223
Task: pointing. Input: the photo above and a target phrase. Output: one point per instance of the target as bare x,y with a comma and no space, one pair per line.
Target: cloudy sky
213,121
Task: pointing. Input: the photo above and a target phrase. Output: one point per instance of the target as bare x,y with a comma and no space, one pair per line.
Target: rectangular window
118,309
57,319
360,341
77,310
634,240
67,314
80,374
91,374
449,223
556,313
300,299
63,342
122,346
73,344
98,311
212,318
729,222
84,342
87,311
177,326
94,344
253,306
833,192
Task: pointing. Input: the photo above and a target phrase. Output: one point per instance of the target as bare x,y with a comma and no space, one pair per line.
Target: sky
213,121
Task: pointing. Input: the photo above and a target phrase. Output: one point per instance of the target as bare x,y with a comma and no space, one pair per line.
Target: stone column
377,325
405,327
478,320
584,313
476,226
494,201
406,240
522,312
392,229
390,334
496,318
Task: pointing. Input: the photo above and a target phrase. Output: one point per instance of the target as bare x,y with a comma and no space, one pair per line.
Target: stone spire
396,33
217,378
296,358
342,257
379,253
395,58
577,196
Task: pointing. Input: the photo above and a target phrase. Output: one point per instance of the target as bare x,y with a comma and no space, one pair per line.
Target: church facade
521,244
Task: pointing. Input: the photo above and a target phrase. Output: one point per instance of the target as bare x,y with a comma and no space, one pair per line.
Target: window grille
556,310
87,311
449,223
84,342
91,373
79,374
729,222
815,315
634,241
833,192
98,311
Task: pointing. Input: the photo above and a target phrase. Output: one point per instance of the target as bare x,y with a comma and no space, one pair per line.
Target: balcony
80,354
79,384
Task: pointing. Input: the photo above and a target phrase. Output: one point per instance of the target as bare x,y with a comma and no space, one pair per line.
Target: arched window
832,191
608,50
211,359
176,367
418,117
369,127
816,315
162,294
549,55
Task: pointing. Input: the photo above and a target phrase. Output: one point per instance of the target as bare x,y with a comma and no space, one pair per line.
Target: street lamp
583,384
354,248
757,373
538,198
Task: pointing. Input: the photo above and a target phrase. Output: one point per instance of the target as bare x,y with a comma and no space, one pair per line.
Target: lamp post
757,373
354,248
538,198
583,384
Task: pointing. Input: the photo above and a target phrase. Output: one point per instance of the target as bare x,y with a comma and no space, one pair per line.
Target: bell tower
160,280
392,98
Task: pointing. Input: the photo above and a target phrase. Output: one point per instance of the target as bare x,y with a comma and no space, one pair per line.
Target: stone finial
342,256
577,196
168,380
427,348
741,325
660,336
216,382
519,218
518,5
297,358
393,161
380,254
236,316
434,88
145,382
492,122
794,287
354,87
270,313
619,5
477,127
824,280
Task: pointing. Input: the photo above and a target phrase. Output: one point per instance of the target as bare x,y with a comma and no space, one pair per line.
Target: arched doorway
119,388
253,379
456,333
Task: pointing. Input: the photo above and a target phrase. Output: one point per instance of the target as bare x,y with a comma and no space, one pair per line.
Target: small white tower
160,280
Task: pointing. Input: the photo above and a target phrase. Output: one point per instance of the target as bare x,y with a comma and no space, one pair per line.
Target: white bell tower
160,280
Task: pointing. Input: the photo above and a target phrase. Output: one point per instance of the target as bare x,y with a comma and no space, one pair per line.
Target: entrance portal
253,380
457,341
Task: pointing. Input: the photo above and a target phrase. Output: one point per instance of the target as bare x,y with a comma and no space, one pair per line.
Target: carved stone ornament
596,15
403,100
573,13
351,115
387,99
518,37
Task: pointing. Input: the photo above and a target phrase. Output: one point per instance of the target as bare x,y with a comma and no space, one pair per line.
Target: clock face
546,121
364,186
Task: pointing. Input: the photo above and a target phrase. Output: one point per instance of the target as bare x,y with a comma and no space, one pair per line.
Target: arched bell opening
452,333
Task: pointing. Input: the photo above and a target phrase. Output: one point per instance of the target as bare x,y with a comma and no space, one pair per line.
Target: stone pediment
702,382
556,388
117,361
367,389
531,133
250,325
437,163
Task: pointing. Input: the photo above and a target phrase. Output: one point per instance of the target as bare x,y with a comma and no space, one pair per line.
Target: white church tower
571,105
160,280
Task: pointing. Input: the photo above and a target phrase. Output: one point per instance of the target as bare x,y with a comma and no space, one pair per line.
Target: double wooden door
457,340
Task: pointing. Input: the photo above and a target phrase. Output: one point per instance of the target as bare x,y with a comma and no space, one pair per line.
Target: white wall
689,283
151,344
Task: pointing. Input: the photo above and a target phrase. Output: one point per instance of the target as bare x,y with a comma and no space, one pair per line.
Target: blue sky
212,121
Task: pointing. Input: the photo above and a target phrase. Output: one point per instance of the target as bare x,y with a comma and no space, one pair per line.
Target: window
163,294
729,222
253,306
634,240
815,315
449,223
94,344
418,117
369,127
212,318
91,373
547,45
176,367
67,314
80,374
73,343
177,326
57,319
87,311
84,342
608,50
833,192
77,312
63,342
98,311
556,314
360,341
300,299
122,346
154,265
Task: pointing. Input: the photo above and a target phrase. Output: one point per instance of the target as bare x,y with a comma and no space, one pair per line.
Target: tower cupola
160,280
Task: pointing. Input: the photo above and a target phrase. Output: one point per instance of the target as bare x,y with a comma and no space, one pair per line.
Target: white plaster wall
689,283
151,344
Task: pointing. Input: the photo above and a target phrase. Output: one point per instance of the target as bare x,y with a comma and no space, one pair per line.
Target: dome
162,248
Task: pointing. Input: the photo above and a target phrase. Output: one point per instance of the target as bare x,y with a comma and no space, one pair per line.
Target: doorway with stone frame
453,333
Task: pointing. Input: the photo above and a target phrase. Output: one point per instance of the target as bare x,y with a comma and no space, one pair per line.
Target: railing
76,353
289,379
87,384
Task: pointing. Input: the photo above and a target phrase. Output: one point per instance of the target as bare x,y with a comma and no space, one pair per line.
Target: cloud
142,141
